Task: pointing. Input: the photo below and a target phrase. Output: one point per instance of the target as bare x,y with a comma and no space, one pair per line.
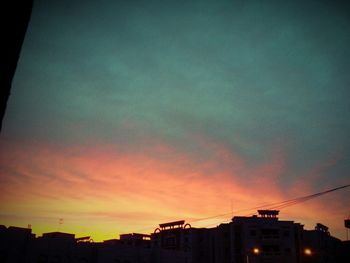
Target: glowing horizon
120,201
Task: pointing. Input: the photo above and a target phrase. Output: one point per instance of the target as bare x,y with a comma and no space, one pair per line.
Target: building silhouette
261,238
265,238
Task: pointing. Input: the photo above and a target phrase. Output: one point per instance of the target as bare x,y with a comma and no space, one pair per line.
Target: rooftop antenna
60,222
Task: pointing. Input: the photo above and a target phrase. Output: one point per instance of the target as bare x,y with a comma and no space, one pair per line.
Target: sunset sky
127,114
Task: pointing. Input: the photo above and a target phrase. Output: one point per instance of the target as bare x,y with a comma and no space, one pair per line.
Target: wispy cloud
141,189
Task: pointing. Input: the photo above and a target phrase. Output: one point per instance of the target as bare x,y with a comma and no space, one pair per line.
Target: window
170,241
268,233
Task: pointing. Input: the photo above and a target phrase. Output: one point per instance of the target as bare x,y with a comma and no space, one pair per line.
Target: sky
127,114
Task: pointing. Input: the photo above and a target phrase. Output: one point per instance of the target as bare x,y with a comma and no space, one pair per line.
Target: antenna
231,208
60,222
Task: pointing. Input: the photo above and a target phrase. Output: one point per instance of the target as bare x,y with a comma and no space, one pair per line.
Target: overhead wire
277,205
271,206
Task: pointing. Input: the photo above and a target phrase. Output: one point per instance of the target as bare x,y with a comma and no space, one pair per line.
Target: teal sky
263,78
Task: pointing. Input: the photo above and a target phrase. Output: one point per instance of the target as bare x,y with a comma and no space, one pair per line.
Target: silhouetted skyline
259,238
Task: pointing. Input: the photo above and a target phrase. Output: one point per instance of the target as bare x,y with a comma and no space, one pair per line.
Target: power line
277,205
271,206
305,198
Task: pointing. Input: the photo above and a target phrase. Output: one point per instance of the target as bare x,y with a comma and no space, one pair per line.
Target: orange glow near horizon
104,191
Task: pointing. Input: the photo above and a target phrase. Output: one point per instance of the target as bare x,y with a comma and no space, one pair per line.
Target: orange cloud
102,190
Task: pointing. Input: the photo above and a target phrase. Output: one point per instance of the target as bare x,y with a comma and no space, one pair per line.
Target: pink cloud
138,189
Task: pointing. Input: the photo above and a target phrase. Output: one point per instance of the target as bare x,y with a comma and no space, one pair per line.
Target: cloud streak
134,189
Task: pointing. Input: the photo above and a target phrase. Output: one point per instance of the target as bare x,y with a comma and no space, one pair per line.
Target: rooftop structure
58,235
268,213
347,223
170,225
83,239
321,228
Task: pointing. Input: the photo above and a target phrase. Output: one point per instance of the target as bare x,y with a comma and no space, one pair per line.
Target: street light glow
307,251
256,250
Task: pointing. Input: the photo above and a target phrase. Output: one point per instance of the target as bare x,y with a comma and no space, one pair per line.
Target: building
15,243
261,238
136,240
264,238
55,247
179,242
129,248
319,246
